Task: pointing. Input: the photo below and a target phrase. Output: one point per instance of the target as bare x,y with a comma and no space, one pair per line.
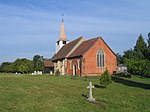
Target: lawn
45,93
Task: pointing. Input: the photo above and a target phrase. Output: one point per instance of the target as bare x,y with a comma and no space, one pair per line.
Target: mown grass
44,93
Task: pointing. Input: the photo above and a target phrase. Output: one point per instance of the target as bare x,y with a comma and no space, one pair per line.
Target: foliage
6,67
148,40
140,48
105,78
147,54
119,59
38,63
23,65
138,59
128,54
138,67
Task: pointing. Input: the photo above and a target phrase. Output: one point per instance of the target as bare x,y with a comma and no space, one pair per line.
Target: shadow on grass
99,103
99,86
130,83
85,96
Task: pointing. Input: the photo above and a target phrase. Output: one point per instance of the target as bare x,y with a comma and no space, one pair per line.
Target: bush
105,78
146,73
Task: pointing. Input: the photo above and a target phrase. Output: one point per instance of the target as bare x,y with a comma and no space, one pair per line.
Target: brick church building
83,57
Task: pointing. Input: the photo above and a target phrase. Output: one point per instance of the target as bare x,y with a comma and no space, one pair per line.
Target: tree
140,48
148,40
6,67
147,52
119,59
129,54
23,66
38,63
138,60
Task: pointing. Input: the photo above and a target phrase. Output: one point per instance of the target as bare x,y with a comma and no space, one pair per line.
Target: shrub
105,78
146,73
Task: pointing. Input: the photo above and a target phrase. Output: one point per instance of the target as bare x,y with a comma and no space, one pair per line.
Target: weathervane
62,17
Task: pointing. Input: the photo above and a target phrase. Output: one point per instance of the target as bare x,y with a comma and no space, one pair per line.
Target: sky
31,27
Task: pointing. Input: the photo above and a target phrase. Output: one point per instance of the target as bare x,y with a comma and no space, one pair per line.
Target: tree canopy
23,65
138,59
38,63
148,40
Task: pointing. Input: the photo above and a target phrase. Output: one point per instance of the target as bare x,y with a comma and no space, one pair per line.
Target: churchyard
45,93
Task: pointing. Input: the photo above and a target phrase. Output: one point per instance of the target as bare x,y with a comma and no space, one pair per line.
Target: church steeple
62,37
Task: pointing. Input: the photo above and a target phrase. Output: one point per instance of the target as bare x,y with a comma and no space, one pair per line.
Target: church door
74,70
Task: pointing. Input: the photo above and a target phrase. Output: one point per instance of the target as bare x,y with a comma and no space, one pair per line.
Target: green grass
26,93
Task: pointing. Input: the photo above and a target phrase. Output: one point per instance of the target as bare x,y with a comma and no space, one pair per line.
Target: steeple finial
62,17
62,35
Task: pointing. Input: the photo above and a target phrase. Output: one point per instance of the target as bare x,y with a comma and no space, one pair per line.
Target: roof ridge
80,50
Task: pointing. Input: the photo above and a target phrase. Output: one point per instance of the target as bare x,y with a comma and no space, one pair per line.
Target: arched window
100,58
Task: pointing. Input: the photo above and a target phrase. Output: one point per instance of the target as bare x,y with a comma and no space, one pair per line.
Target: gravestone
35,72
90,97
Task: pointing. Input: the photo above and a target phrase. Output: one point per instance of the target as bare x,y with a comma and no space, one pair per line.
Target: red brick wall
90,61
74,62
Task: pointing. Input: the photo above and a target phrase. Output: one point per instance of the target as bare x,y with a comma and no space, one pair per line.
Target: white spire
62,37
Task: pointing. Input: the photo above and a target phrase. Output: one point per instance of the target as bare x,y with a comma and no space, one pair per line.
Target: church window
100,58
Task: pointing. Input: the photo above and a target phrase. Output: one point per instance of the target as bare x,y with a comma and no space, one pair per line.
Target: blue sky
30,27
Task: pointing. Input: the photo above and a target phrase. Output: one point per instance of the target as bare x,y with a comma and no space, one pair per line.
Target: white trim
78,64
70,64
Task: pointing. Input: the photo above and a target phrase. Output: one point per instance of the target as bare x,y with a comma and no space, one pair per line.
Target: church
82,57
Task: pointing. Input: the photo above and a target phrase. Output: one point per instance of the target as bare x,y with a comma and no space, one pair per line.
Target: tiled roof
48,63
65,50
84,47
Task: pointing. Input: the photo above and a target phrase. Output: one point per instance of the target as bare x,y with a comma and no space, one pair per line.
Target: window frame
100,58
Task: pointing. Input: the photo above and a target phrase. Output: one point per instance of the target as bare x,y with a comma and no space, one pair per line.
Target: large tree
6,67
38,63
129,54
138,60
140,48
23,65
119,59
148,40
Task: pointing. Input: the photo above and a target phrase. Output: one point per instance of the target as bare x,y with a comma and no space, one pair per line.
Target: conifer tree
148,40
140,48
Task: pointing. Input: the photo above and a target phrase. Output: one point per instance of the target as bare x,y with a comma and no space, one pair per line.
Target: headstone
90,97
40,72
51,72
34,72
